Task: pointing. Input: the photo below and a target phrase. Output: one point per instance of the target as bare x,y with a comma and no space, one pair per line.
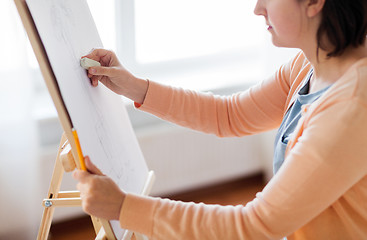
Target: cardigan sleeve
258,109
328,160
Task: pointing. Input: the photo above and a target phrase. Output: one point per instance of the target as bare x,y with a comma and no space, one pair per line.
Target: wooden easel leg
45,223
65,162
52,193
106,227
101,235
100,226
96,224
55,198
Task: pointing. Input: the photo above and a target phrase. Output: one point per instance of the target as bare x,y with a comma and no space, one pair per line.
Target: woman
319,103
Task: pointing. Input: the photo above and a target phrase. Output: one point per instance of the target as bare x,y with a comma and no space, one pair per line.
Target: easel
65,163
67,149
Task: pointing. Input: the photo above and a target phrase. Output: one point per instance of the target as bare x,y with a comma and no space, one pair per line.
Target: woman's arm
259,109
326,169
328,160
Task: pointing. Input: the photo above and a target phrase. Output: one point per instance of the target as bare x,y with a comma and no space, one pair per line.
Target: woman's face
286,20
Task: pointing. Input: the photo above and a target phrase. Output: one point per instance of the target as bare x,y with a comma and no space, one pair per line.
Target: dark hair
344,24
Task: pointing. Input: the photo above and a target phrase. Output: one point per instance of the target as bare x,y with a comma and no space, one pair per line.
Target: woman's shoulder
354,81
358,76
352,86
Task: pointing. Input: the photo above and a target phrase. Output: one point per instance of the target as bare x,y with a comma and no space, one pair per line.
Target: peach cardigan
320,192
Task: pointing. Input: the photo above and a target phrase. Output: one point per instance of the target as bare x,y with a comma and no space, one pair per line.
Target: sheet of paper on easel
68,32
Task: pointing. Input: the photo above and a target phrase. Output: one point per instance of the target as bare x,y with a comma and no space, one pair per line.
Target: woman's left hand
101,197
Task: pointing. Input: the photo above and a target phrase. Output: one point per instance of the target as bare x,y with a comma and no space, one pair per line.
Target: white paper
68,32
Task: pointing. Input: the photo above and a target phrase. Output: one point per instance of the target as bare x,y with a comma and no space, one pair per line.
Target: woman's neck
328,70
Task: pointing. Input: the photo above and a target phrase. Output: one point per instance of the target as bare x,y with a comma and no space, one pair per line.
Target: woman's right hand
115,77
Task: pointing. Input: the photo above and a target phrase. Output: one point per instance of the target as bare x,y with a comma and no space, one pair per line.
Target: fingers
96,54
100,195
91,167
109,62
97,74
105,57
94,80
81,176
100,71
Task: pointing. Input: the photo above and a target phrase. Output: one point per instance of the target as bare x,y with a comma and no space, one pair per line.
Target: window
167,30
189,42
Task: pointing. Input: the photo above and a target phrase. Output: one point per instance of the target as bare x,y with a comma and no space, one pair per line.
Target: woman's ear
314,7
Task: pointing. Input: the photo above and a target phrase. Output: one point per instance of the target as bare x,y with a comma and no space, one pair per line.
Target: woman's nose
259,8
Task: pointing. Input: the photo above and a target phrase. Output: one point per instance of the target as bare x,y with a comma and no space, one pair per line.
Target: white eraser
86,63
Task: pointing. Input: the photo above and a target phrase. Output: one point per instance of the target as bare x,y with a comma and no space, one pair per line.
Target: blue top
290,121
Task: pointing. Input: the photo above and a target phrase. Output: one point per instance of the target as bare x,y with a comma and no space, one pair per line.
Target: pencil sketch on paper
63,21
68,32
